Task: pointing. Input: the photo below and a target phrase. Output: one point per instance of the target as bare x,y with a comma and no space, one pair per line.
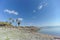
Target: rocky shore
15,34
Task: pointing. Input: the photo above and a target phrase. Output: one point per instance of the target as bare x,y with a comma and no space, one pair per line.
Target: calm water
51,31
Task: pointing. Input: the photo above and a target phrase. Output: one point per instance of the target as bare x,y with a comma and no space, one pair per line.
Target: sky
31,12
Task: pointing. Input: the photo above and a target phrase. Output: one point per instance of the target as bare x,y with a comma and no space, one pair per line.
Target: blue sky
32,12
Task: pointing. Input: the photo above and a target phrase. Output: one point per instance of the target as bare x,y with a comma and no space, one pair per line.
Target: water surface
51,31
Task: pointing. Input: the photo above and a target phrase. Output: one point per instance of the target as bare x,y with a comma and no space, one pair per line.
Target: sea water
51,31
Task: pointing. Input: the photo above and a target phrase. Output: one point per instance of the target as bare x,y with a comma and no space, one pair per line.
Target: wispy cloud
45,4
20,19
11,11
40,7
34,11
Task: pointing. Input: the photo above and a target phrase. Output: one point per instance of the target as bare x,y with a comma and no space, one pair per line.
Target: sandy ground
15,34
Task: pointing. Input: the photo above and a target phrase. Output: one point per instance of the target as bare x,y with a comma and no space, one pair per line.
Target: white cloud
20,19
11,11
40,7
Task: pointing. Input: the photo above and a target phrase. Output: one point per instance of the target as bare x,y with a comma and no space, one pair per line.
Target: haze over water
51,31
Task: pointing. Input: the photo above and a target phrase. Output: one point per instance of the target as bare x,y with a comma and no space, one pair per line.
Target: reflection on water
51,31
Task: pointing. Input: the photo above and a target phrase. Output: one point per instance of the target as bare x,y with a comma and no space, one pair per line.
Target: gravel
16,34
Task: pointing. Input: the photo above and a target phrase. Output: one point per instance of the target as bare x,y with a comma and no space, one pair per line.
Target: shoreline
34,34
29,31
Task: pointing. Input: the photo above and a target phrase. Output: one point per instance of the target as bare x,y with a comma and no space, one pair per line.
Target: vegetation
11,21
5,24
18,22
